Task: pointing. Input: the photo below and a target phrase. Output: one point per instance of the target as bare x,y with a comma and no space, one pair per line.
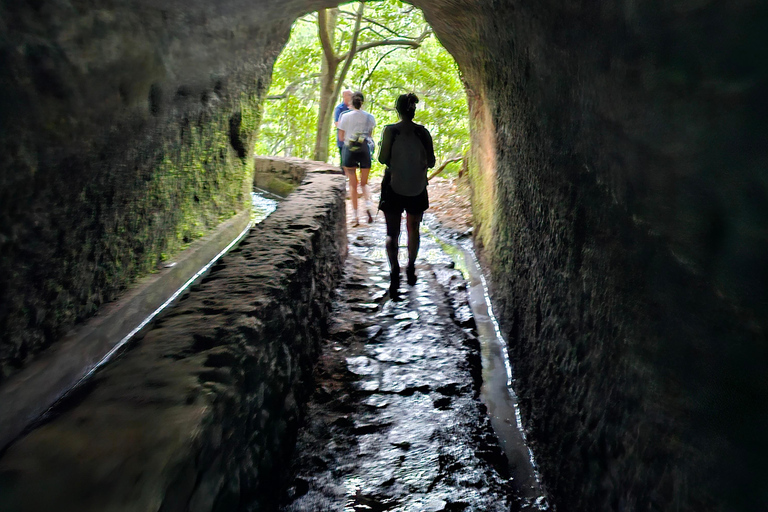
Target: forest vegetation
382,49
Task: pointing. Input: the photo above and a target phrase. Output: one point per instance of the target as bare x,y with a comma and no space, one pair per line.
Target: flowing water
497,392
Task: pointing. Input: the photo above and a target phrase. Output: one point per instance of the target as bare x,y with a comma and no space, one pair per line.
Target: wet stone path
395,422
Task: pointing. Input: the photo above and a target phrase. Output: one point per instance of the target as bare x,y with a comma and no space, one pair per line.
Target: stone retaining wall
280,175
201,413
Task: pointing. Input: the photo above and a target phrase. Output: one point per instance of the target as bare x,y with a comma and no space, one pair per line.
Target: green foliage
288,125
381,73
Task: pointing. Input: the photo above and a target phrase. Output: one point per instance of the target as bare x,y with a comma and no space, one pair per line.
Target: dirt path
395,422
449,202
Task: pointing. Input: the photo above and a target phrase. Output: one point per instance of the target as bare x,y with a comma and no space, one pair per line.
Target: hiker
407,151
346,101
356,130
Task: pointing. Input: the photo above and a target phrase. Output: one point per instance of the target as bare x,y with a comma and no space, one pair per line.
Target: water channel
497,392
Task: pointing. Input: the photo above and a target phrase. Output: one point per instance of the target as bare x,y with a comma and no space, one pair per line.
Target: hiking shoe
410,274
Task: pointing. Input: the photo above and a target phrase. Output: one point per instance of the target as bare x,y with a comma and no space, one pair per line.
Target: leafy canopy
381,73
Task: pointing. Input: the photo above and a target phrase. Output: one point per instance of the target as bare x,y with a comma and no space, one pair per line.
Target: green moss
483,200
280,187
198,182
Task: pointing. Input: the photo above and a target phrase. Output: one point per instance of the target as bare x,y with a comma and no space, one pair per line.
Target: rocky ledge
200,412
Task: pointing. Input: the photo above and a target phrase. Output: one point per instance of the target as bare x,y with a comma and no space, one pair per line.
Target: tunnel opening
400,55
392,51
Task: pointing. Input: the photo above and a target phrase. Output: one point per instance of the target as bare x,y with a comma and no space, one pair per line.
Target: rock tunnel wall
127,131
201,414
620,195
627,239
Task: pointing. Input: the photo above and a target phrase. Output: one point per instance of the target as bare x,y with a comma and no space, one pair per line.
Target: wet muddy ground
395,422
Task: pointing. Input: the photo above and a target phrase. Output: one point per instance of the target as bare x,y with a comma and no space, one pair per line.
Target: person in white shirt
356,130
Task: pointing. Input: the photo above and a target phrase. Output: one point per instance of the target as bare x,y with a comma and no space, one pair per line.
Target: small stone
377,401
368,385
411,315
373,332
365,307
404,326
464,317
362,365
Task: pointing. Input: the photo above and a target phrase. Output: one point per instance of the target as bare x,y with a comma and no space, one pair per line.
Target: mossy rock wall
127,131
626,237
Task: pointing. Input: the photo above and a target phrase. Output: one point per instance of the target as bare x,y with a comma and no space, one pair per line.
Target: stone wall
627,239
202,412
282,175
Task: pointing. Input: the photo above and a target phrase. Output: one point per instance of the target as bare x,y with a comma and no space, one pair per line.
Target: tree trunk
325,112
330,63
330,84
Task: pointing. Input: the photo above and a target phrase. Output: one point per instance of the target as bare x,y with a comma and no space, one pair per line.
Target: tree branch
372,22
325,39
444,165
405,41
381,25
413,43
352,51
368,78
292,87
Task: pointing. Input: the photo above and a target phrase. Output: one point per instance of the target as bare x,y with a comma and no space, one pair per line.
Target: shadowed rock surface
199,414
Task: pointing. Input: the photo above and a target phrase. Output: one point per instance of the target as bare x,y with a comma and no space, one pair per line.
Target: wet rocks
403,429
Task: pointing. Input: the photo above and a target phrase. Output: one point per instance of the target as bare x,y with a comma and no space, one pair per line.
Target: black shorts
392,202
360,158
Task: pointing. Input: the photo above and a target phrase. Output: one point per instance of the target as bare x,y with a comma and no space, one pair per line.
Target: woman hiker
356,130
407,151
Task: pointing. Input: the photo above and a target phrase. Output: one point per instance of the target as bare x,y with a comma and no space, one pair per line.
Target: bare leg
393,236
366,192
352,175
414,240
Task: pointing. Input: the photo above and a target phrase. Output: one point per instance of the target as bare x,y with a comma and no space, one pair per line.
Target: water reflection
497,392
263,203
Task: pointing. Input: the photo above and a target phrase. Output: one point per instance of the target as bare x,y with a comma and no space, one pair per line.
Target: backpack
408,162
357,142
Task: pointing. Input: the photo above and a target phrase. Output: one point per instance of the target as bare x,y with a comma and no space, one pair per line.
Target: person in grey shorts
407,151
356,130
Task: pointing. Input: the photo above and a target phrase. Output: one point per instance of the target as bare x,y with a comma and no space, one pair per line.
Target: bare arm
385,151
430,151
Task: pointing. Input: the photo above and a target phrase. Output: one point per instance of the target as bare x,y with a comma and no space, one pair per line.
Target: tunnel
620,203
